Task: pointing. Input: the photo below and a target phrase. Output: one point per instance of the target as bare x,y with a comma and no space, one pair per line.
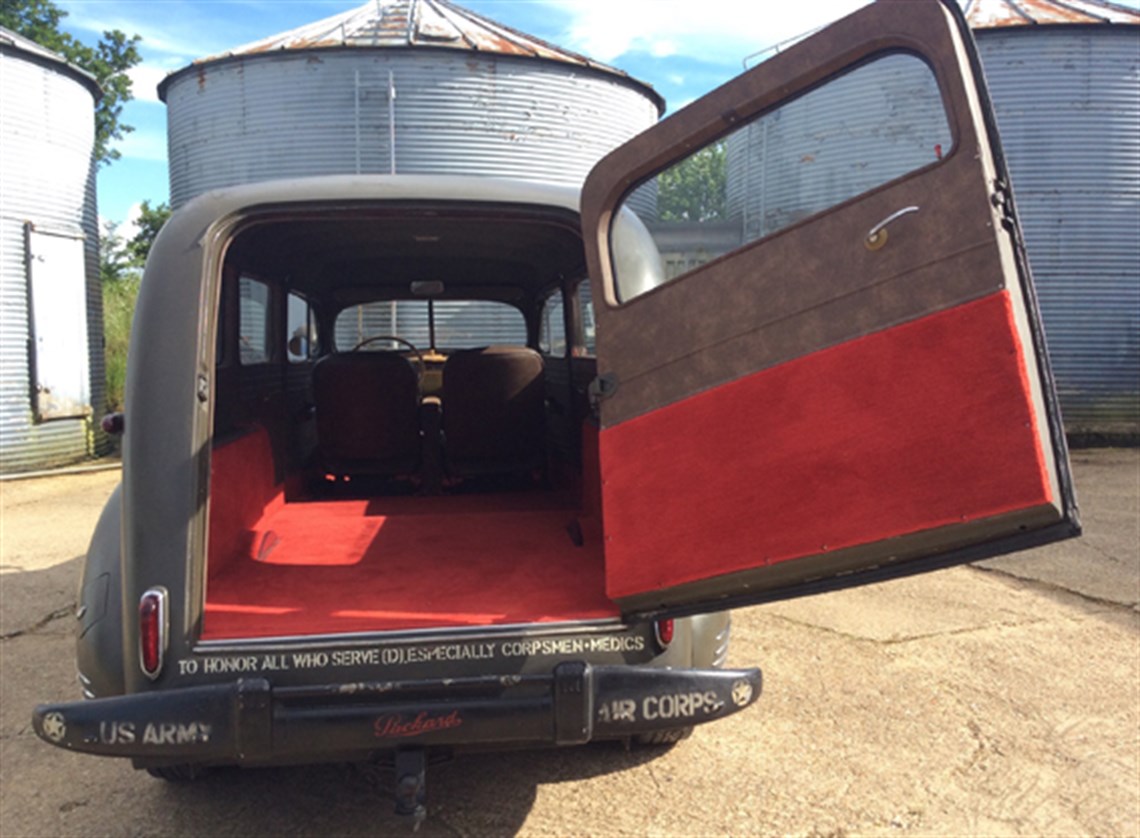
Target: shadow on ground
472,794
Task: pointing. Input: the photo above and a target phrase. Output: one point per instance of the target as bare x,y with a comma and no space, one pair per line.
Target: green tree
121,265
114,261
149,222
108,61
694,189
120,281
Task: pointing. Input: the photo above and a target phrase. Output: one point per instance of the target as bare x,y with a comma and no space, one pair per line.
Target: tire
656,738
177,773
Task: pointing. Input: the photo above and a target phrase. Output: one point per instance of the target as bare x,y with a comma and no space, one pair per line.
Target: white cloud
130,226
150,36
724,32
176,31
144,81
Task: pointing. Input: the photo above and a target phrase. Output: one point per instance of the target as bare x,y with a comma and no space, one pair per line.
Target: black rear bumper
250,721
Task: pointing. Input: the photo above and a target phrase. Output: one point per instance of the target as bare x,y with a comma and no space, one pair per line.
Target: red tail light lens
152,632
663,631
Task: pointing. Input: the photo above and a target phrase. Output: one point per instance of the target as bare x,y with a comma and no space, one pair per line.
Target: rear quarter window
253,321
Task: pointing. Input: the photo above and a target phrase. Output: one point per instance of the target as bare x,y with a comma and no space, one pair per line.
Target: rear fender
710,639
99,635
699,641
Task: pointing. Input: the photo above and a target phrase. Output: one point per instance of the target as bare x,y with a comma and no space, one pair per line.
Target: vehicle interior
402,435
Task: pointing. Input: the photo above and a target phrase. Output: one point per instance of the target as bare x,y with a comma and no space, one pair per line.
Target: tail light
663,631
152,632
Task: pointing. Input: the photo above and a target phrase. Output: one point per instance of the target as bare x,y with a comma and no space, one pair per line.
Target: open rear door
820,360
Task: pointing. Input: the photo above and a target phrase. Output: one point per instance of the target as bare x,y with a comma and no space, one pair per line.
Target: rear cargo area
311,565
331,567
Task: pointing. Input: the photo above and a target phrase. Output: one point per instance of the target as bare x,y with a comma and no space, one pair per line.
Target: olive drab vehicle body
418,463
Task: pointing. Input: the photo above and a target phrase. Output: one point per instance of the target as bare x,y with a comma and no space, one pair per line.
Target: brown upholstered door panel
855,380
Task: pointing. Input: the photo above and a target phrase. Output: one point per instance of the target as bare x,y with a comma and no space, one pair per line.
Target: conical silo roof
994,14
413,23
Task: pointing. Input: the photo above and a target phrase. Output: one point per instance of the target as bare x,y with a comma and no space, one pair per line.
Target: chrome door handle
877,236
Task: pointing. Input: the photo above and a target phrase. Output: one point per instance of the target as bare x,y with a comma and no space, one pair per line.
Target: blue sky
683,48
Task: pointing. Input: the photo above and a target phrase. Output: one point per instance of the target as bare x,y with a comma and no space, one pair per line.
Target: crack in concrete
58,614
897,641
1054,587
1096,548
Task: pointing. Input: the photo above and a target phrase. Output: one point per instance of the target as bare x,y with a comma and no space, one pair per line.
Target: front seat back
367,406
493,414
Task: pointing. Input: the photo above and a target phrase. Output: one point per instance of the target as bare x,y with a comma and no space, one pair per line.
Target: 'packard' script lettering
394,726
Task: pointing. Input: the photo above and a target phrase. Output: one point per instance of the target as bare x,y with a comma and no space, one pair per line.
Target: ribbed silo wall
297,113
1068,107
47,181
856,132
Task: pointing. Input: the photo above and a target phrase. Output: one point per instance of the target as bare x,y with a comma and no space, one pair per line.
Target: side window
253,328
589,329
300,330
852,134
552,328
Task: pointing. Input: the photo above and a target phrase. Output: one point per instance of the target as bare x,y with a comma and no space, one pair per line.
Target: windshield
458,324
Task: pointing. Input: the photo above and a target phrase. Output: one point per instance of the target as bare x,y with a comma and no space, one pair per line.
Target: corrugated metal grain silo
1065,82
51,357
406,86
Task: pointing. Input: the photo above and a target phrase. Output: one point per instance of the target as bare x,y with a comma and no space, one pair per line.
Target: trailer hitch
411,786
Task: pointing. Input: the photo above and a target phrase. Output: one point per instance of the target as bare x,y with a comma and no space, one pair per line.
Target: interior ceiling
380,254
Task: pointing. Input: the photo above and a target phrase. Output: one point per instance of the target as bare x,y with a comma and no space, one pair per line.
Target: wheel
671,736
177,773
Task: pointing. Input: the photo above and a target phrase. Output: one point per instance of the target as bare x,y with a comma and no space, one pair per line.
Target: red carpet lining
913,428
326,567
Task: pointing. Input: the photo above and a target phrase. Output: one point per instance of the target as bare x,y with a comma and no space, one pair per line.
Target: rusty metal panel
296,113
412,23
47,181
991,14
1069,115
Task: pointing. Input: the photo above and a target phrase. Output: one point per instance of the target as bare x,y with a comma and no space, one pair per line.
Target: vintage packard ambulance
418,463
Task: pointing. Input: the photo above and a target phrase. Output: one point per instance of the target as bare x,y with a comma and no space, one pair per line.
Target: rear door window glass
861,130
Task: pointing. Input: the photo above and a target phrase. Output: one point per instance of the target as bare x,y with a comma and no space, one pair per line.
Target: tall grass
118,309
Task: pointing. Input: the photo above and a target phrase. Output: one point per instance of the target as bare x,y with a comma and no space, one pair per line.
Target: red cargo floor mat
330,567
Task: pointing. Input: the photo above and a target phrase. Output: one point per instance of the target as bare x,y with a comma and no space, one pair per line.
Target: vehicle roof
219,203
370,236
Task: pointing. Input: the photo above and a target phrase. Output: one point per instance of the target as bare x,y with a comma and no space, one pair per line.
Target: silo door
59,352
820,362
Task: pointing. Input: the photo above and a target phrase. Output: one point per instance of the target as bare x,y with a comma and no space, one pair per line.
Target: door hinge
602,388
1002,200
